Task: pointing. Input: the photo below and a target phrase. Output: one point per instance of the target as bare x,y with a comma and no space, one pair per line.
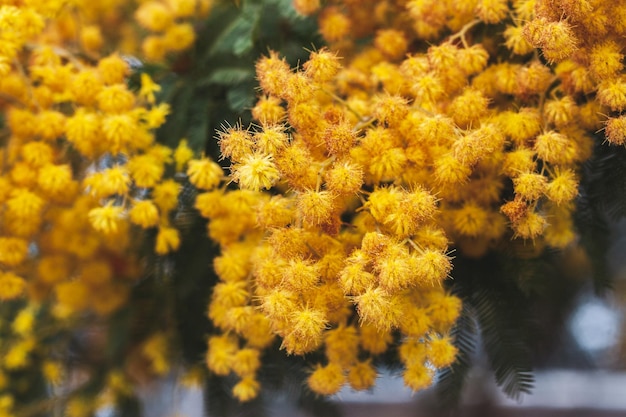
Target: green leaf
238,36
228,76
451,380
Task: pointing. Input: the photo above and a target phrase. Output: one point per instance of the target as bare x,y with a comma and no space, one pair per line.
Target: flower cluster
379,160
79,168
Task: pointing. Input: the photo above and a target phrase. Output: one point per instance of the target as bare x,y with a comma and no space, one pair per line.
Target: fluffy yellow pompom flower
204,173
441,352
246,389
144,213
168,240
106,219
11,286
362,375
327,380
255,172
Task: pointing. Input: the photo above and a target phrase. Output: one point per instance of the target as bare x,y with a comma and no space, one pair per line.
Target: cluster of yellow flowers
79,167
447,127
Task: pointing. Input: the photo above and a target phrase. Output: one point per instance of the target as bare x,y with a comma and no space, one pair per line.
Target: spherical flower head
24,204
521,126
315,207
247,389
431,267
119,131
615,130
554,147
605,60
344,178
144,214
563,188
339,138
13,251
327,380
556,39
11,286
390,109
354,279
308,324
50,124
115,99
37,154
91,38
205,174
468,107
530,186
83,132
268,111
271,140
391,42
165,195
179,37
300,275
54,180
449,170
470,220
516,42
612,93
167,240
441,352
374,340
322,66
154,16
393,269
560,112
306,7
375,306
235,143
255,172
113,69
342,345
231,294
106,219
492,11
474,59
117,181
530,226
246,362
273,73
333,24
220,354
362,375
145,170
388,164
418,377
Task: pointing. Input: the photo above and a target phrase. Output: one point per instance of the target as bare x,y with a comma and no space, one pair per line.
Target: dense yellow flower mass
79,163
444,130
423,129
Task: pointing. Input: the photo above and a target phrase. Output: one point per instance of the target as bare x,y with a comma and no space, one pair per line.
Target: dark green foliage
216,82
602,202
503,316
450,381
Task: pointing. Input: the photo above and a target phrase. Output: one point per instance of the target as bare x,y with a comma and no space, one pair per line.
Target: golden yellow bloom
106,219
11,286
145,170
168,240
327,380
204,173
154,16
255,172
165,195
246,389
144,213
